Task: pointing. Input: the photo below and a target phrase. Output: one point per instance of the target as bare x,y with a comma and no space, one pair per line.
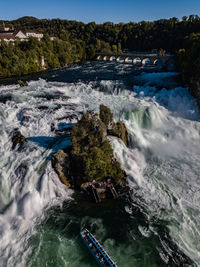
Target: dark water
114,227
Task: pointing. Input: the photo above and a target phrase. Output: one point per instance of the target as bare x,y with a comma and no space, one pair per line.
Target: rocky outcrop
22,83
17,138
116,129
106,115
91,156
119,130
61,164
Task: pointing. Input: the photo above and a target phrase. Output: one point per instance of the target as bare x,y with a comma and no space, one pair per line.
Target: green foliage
119,130
98,164
106,115
77,41
188,60
91,151
90,51
188,64
25,57
166,33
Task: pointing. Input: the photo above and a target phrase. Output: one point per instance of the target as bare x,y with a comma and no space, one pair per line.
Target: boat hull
96,249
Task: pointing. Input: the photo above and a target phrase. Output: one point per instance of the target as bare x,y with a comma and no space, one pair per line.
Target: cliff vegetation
91,155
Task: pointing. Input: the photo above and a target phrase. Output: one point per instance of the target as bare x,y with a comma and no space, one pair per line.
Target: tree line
77,41
188,64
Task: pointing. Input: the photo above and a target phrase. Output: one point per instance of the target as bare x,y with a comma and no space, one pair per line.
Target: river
155,224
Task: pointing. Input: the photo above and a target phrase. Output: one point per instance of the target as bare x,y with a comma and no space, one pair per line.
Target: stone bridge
137,58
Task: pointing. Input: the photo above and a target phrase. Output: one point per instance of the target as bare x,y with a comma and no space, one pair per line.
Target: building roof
17,31
13,34
6,36
7,32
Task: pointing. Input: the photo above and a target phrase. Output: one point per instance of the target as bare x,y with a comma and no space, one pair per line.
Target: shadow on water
43,141
54,143
117,229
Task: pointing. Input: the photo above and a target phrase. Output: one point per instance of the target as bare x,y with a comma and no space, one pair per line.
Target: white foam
25,194
162,162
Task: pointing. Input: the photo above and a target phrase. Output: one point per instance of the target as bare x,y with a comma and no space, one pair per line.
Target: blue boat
96,249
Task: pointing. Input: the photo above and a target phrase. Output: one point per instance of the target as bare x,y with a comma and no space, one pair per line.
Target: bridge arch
146,61
112,58
120,59
128,60
137,61
158,62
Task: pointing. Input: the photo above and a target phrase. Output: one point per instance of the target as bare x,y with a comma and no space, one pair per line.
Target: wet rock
24,116
22,83
116,129
51,108
53,127
17,138
61,164
69,117
119,130
5,98
43,107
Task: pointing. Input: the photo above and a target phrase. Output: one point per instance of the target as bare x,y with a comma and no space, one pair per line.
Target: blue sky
99,10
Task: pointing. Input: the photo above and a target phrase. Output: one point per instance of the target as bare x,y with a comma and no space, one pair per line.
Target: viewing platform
101,190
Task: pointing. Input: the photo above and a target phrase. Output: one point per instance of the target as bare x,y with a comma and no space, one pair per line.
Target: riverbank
35,75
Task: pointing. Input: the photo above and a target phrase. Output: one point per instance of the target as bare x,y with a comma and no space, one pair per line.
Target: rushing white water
162,163
28,183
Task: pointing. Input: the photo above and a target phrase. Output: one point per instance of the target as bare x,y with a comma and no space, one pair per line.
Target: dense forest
188,59
169,34
77,41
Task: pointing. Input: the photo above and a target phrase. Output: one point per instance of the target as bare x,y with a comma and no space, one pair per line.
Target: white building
32,33
20,35
11,36
23,35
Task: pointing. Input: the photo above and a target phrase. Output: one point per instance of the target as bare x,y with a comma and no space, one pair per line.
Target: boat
96,249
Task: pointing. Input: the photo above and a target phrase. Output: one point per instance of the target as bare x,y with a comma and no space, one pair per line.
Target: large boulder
119,130
116,129
22,83
106,115
61,164
17,138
